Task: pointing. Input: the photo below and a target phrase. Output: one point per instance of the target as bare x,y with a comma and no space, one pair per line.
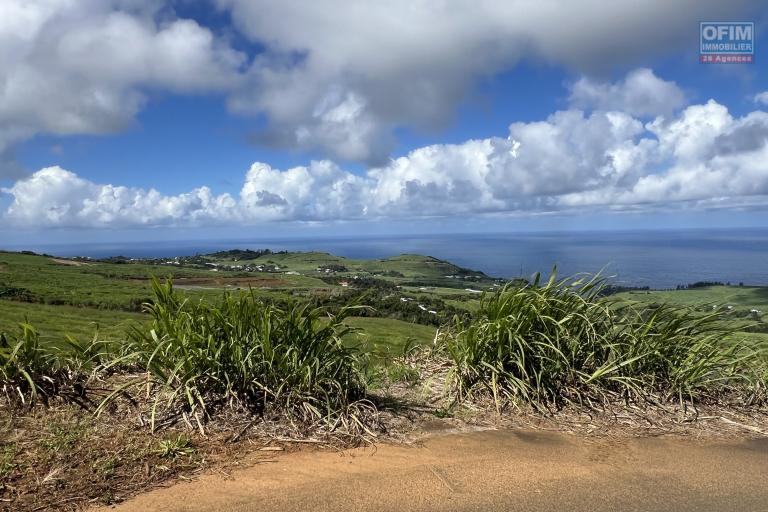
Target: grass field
398,269
113,286
122,286
65,296
72,297
76,298
387,337
740,298
743,307
54,322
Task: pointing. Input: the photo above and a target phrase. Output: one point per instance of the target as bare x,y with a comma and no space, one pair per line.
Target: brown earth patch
71,263
219,282
62,458
489,471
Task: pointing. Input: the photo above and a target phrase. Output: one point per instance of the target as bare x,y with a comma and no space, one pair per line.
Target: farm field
742,299
399,269
62,297
66,296
56,322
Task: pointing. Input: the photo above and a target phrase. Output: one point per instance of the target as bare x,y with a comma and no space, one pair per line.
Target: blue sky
144,119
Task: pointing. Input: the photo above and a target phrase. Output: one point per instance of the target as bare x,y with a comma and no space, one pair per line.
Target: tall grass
559,341
31,369
242,352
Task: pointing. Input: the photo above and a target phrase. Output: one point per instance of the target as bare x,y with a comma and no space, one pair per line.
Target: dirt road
490,471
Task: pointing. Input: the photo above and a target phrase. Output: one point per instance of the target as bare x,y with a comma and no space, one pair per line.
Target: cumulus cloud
332,68
712,158
54,197
574,160
330,75
320,191
82,66
762,98
641,93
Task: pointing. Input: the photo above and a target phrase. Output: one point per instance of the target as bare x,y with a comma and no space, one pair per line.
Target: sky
151,119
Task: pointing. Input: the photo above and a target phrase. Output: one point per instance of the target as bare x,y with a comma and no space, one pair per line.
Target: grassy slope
741,298
54,322
411,266
387,336
105,285
112,286
383,335
124,286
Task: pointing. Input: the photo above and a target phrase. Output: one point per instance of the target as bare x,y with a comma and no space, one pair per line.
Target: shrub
559,341
31,370
17,293
243,352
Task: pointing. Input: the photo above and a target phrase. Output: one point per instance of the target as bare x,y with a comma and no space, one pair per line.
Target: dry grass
429,406
62,457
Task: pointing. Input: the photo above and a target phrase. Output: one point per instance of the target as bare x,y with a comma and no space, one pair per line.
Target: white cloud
700,157
710,157
54,197
641,93
321,191
762,98
381,65
333,76
689,137
82,66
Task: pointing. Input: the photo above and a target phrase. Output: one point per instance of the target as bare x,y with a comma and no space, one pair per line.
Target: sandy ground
489,471
71,263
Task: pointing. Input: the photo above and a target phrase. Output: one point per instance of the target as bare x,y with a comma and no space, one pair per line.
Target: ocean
659,259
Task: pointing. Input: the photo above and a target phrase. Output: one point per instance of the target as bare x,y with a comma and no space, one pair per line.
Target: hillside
78,295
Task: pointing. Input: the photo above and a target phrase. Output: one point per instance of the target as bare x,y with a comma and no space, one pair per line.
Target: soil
428,455
71,263
488,471
218,282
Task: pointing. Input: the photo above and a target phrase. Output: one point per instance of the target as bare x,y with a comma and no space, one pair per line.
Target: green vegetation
7,456
175,447
242,351
562,342
385,337
747,304
556,342
406,267
122,286
313,344
56,322
119,284
30,369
